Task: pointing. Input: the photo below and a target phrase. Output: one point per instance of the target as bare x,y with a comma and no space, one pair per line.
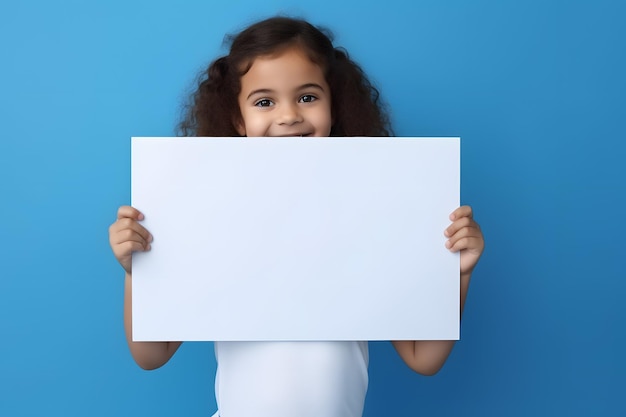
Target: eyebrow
268,91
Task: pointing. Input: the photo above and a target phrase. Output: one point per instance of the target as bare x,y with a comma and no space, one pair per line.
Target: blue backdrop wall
535,89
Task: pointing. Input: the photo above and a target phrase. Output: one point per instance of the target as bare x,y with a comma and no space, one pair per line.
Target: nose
289,115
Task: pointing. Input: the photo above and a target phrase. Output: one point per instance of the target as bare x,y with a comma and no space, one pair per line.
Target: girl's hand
464,236
126,236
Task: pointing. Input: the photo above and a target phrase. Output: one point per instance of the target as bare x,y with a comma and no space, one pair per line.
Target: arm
126,236
428,356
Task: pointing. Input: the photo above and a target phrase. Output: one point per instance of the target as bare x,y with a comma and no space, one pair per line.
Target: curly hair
213,109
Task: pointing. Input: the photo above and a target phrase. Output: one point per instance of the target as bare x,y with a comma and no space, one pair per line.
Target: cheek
255,124
325,121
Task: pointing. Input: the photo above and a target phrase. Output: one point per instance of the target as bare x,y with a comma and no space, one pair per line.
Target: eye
264,102
307,98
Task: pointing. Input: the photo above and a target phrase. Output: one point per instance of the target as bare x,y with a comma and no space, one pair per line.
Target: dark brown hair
213,109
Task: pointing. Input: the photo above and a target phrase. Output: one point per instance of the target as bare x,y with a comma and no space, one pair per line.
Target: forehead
288,66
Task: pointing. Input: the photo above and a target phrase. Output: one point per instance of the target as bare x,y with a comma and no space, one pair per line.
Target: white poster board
296,239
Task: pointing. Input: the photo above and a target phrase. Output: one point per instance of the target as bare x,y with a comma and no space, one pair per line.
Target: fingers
459,224
464,232
130,212
127,247
466,238
463,211
126,235
133,233
125,228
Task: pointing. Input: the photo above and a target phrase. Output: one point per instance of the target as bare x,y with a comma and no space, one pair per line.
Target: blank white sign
296,239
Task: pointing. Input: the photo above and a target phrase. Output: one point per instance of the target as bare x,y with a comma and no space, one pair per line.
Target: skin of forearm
148,355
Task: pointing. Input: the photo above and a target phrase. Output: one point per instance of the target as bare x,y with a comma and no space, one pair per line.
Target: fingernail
140,217
448,244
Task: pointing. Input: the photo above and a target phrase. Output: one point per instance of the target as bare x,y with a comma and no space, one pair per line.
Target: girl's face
284,95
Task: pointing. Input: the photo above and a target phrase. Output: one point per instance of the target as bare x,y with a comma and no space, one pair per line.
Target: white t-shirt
287,379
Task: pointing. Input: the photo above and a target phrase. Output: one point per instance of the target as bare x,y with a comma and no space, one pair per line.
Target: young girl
283,77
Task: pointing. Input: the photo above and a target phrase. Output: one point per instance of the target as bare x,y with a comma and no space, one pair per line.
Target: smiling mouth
301,135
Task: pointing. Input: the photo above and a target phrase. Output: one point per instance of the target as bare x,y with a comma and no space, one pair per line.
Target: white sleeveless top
287,379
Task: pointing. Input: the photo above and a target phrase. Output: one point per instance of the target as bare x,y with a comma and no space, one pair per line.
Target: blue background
535,89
